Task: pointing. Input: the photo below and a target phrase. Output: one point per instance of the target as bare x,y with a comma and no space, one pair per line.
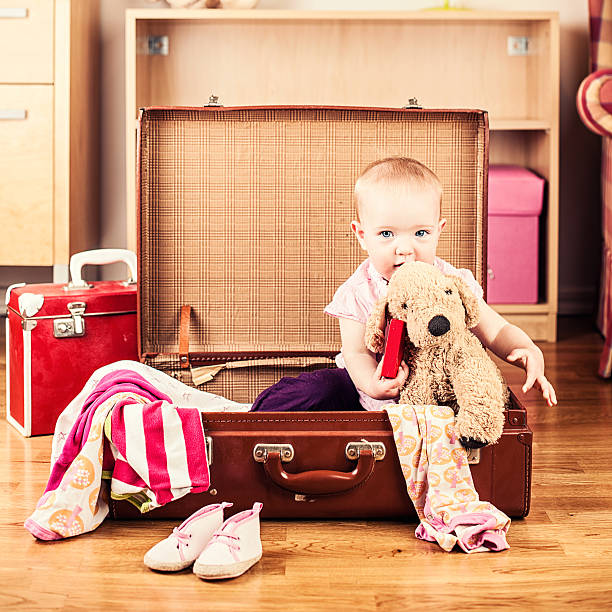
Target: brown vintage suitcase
243,238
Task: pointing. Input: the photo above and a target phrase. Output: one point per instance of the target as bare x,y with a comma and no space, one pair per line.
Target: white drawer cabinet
26,159
26,40
49,90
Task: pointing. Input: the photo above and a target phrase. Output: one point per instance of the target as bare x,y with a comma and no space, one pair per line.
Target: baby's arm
513,345
361,363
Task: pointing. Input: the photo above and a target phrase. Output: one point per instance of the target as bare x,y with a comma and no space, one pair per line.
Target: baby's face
397,226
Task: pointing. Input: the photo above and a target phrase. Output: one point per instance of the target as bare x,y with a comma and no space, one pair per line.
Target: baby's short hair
395,170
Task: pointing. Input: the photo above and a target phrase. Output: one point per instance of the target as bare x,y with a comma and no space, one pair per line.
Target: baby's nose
404,248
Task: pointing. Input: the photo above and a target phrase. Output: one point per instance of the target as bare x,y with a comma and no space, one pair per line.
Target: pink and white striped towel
156,453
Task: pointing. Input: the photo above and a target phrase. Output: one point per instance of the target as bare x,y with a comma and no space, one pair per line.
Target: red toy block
395,339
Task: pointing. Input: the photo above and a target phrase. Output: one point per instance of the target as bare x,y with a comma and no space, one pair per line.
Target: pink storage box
515,204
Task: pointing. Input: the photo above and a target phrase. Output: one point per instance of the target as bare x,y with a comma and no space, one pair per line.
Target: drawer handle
13,13
13,114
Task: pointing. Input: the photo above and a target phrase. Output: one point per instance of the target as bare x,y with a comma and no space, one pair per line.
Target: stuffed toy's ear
375,327
470,303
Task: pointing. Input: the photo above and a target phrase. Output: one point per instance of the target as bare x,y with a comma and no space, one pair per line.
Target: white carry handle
100,257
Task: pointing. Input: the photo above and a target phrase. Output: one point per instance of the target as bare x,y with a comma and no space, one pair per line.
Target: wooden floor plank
560,556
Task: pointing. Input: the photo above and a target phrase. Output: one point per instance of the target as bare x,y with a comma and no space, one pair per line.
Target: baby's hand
389,388
532,361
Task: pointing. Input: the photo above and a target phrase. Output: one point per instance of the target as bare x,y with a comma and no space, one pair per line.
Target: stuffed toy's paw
476,428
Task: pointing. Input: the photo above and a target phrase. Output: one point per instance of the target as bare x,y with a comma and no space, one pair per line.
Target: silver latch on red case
74,326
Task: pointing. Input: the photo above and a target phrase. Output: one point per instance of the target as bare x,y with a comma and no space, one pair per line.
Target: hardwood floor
560,556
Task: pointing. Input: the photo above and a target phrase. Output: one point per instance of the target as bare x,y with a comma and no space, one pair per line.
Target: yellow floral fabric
439,482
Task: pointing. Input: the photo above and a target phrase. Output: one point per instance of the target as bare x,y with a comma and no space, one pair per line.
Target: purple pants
328,389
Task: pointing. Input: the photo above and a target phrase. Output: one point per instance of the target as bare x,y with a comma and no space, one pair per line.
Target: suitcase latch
72,327
260,452
353,449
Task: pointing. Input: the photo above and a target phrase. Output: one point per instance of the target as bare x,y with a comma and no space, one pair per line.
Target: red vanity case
56,337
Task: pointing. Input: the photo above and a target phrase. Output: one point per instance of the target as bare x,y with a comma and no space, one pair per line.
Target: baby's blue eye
386,233
421,233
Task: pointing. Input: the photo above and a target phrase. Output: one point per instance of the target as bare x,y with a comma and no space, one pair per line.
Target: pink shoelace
232,542
183,540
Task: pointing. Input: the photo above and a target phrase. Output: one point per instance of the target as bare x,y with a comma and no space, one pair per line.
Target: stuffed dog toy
448,365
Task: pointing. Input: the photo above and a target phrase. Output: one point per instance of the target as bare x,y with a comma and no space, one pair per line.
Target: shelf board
540,308
519,124
424,15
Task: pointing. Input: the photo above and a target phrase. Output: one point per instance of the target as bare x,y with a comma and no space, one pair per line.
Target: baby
398,220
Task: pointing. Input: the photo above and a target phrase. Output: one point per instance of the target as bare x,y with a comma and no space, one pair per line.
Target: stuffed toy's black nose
438,326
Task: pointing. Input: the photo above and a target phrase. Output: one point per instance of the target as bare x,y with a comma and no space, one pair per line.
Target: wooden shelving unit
445,59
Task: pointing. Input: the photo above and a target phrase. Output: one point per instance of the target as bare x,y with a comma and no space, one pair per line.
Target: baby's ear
375,327
470,303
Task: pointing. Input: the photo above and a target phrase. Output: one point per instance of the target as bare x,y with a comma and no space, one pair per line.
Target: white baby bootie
183,546
233,549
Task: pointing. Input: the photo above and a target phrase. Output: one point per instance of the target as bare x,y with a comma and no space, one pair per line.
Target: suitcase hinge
213,101
413,103
72,327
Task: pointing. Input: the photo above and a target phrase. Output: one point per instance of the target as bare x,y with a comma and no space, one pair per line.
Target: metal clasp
74,326
28,324
209,449
260,452
353,449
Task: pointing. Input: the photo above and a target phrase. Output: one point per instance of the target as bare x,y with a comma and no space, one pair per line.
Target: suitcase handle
100,257
319,482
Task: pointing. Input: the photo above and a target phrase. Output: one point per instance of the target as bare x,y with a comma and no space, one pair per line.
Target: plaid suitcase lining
213,181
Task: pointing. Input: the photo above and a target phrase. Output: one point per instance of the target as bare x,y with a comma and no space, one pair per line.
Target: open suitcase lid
244,215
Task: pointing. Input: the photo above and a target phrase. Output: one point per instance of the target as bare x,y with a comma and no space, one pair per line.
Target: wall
580,221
